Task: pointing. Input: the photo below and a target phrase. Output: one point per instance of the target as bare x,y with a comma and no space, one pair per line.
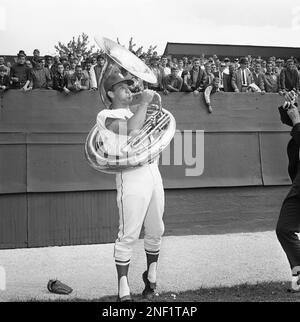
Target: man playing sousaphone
140,193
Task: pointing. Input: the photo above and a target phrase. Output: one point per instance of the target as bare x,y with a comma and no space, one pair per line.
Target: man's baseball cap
115,79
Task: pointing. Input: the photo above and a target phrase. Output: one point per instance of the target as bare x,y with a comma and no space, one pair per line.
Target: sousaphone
159,127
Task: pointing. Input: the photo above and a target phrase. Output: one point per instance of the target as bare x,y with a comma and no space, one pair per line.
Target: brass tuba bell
159,127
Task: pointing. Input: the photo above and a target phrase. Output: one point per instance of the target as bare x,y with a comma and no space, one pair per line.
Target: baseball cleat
125,298
149,290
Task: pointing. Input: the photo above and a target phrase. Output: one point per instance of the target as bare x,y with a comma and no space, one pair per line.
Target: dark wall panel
12,163
13,221
274,158
229,160
53,112
72,218
63,167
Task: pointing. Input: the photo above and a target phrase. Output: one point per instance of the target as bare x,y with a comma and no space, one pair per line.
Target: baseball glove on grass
57,287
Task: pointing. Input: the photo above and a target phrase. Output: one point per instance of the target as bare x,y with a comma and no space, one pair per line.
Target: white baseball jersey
140,196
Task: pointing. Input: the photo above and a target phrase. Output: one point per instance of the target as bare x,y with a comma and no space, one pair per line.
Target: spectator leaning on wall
60,80
289,78
269,82
39,77
211,89
172,82
198,77
79,80
257,74
19,73
210,75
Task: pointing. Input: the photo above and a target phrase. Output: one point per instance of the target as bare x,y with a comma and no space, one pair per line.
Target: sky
41,24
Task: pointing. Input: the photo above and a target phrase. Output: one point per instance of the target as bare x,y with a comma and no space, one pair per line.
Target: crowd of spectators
185,74
66,74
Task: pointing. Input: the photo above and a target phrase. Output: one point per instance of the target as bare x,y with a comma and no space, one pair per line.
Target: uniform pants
287,226
140,199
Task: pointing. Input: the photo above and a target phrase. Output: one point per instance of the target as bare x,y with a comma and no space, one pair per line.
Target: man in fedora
242,77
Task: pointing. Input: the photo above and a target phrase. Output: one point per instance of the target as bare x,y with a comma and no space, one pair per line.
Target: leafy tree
79,45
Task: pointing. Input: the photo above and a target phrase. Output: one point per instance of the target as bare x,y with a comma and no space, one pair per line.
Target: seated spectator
39,77
228,79
154,66
172,82
257,72
197,76
19,73
242,77
211,89
91,72
269,82
210,75
2,64
60,80
4,79
99,67
289,78
36,56
79,80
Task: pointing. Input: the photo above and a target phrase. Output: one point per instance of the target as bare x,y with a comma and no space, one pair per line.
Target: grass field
261,292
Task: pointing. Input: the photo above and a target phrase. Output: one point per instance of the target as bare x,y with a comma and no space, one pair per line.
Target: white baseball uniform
140,196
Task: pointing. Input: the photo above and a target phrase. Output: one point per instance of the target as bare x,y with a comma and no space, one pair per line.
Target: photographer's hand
293,114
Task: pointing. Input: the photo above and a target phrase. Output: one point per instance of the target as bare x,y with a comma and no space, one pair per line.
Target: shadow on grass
260,292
